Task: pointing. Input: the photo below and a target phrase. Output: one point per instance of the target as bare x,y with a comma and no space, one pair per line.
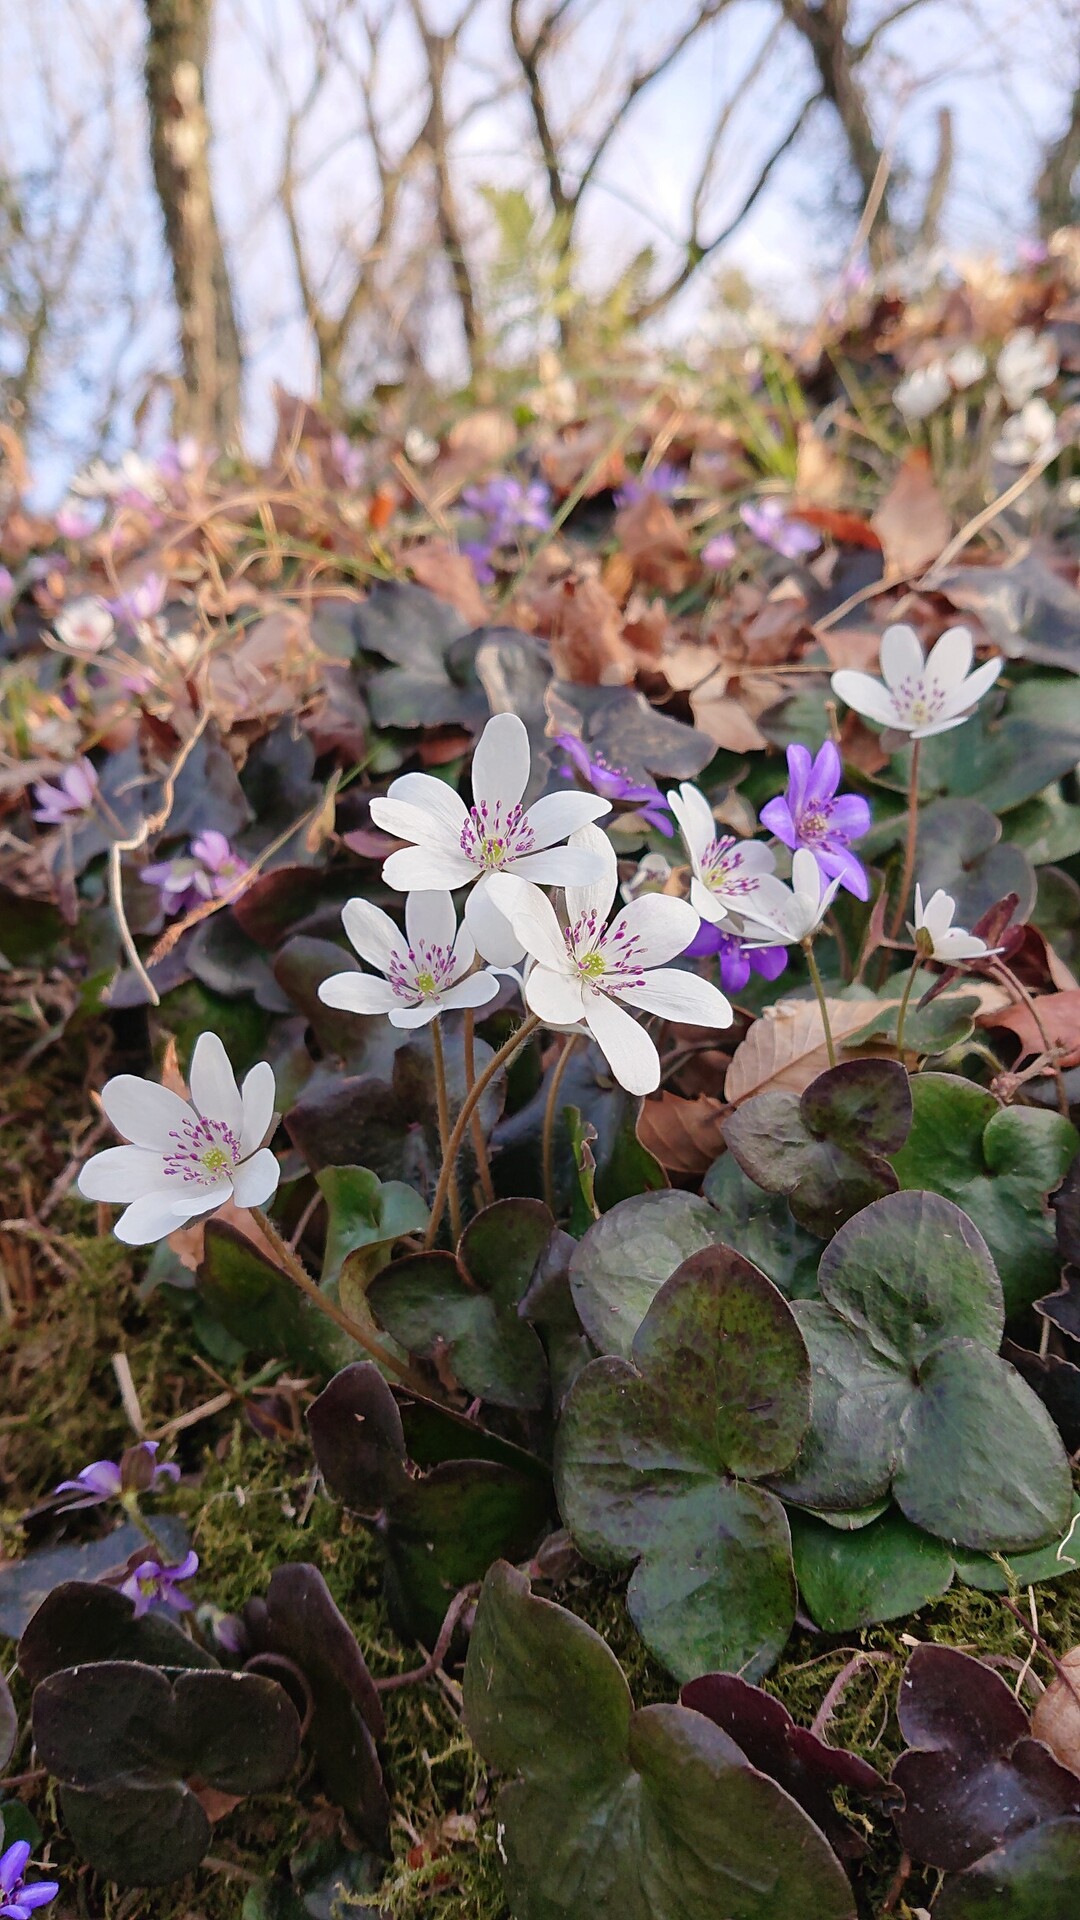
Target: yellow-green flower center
215,1159
425,982
592,966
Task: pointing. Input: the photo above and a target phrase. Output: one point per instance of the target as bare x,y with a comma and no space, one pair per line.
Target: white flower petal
661,926
970,692
558,867
555,998
558,815
256,1180
535,925
158,1214
435,799
418,1016
430,920
625,1045
865,695
463,951
706,904
258,1094
950,659
122,1173
427,868
677,995
143,1112
695,819
958,944
489,926
374,935
597,895
358,993
476,991
901,655
214,1091
939,726
501,763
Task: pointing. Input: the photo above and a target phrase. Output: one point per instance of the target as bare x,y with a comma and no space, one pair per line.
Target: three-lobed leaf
826,1148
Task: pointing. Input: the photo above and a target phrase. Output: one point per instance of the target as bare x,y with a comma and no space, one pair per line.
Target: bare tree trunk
1055,193
177,46
824,27
438,48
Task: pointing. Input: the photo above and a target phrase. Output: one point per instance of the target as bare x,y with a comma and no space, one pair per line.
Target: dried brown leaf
584,629
912,522
786,1047
449,575
684,1135
655,544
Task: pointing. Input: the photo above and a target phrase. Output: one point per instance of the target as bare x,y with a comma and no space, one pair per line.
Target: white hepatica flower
86,626
1027,361
454,844
965,366
792,914
185,1159
426,969
1027,436
726,872
934,934
916,695
592,974
923,391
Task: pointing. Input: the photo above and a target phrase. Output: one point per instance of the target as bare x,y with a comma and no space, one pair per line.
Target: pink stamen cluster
607,958
205,1147
490,841
720,865
406,968
919,699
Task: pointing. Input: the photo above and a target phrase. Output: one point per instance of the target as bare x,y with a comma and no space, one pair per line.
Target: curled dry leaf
686,1136
912,522
449,575
1056,1719
584,628
786,1047
1060,1017
655,545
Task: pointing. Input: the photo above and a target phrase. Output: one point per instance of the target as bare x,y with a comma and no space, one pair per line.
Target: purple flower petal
777,816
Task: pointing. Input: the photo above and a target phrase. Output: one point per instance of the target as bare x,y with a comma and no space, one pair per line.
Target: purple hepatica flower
664,479
719,552
614,783
137,1471
506,504
72,797
205,872
141,603
812,814
768,523
150,1584
17,1900
738,958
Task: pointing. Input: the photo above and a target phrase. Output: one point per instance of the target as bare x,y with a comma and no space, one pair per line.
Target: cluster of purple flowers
738,958
614,783
17,1900
813,815
138,1470
506,507
72,798
665,479
205,872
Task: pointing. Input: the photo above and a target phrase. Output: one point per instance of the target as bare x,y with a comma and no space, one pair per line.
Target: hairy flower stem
471,1101
808,949
480,1152
550,1114
146,1527
442,1104
902,1015
910,843
299,1274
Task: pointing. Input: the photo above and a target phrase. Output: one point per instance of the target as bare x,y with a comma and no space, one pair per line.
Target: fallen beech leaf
436,566
270,671
567,462
786,1047
684,1135
820,474
856,647
726,720
1060,1016
1056,1719
655,544
584,628
912,522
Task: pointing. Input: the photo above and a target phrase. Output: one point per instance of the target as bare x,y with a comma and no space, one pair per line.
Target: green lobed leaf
647,1452
365,1212
259,1304
762,1227
998,1163
882,1572
624,1815
1034,1878
825,1148
624,1260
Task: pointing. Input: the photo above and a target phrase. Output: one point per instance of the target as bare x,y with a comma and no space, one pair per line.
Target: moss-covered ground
70,1301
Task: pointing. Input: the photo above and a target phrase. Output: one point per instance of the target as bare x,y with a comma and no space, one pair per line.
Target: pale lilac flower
70,799
812,814
664,480
719,552
614,782
205,872
86,626
137,1471
150,1584
916,695
72,520
726,872
966,366
134,482
349,460
738,957
590,974
935,936
143,602
180,457
426,969
17,1900
768,523
1027,361
453,845
7,583
185,1159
